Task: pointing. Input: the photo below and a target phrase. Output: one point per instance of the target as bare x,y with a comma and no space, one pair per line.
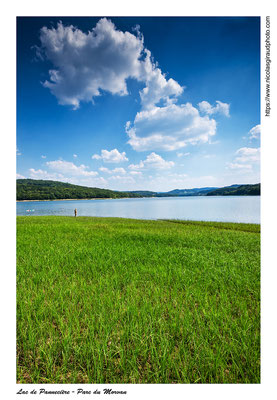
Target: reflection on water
202,208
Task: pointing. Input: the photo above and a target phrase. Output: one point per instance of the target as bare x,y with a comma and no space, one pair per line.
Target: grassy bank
129,301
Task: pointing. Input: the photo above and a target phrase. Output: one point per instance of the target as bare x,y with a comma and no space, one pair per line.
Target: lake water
211,208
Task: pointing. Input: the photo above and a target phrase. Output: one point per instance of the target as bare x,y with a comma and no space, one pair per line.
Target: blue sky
139,103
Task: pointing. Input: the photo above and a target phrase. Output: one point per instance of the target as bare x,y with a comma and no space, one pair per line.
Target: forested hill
242,190
31,189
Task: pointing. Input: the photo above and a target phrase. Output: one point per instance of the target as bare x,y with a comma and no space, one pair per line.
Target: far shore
96,198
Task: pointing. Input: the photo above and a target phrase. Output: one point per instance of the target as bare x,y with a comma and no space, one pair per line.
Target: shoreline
172,220
147,197
94,198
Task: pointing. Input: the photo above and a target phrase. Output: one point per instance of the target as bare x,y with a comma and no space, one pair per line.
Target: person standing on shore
75,212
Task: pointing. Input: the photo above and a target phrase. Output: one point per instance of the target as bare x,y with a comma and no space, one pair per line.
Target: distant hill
144,193
237,190
31,189
175,192
191,192
233,190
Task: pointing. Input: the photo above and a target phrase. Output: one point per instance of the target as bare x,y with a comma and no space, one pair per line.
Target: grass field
109,300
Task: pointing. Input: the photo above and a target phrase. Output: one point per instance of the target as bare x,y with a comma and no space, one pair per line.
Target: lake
203,208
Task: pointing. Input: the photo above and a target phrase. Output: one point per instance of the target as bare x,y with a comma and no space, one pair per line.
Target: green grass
109,300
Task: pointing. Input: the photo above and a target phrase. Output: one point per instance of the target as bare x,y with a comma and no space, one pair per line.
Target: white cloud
255,132
113,156
183,154
42,174
84,64
220,108
121,171
248,154
69,168
122,179
178,176
104,169
90,181
18,152
246,158
19,176
43,156
135,173
169,128
157,86
239,166
154,161
82,180
75,155
140,165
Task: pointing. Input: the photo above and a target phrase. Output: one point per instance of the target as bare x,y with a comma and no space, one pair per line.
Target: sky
139,103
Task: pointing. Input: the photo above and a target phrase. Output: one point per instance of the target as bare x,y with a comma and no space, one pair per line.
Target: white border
269,265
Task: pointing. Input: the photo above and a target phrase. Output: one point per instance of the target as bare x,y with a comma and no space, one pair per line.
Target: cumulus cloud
19,176
120,176
157,86
43,156
178,176
43,174
239,166
245,159
135,173
113,156
121,171
62,171
75,155
135,167
248,154
180,154
18,153
84,64
104,169
69,168
154,161
122,179
220,108
91,181
77,178
255,132
169,128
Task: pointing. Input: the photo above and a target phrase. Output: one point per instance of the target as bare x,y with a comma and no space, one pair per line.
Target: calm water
217,208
